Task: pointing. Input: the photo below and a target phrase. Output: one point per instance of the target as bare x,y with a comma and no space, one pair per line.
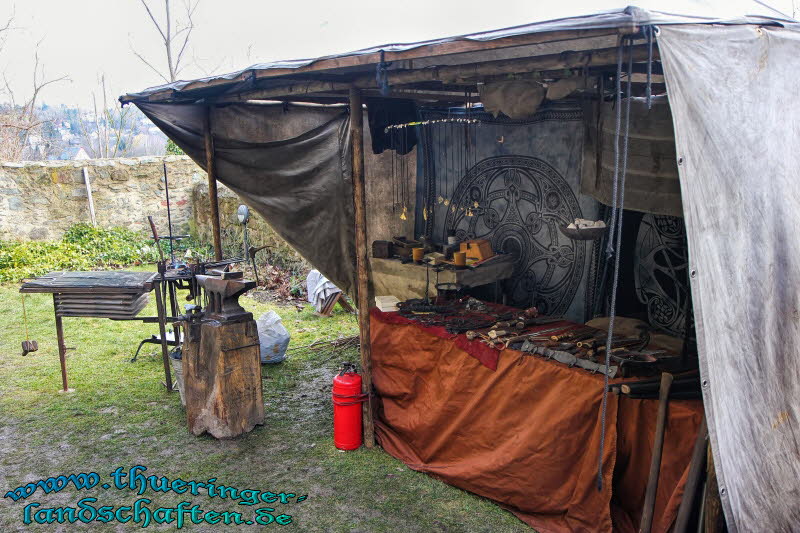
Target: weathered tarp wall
734,97
297,177
291,164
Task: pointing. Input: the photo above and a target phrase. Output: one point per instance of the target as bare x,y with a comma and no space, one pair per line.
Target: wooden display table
404,281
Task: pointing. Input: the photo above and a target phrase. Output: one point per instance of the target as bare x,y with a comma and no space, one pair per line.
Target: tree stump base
222,378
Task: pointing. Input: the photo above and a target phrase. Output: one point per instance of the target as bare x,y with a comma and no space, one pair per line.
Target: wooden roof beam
452,73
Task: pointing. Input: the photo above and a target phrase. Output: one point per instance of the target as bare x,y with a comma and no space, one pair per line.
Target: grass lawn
120,416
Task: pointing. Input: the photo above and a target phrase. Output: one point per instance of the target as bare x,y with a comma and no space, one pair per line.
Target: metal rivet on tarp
722,491
705,383
693,273
680,160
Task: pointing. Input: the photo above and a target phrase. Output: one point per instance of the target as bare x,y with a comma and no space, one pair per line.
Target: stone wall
40,200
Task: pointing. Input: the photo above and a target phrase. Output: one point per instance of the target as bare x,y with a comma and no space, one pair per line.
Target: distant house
74,153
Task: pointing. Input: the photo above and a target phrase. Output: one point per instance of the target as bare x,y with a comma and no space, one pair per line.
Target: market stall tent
736,119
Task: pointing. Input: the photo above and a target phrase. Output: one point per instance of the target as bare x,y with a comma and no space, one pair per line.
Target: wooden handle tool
655,461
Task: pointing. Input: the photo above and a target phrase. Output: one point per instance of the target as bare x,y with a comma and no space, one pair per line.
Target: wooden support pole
362,295
212,185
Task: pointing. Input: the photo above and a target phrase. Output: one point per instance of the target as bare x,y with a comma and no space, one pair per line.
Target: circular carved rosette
521,201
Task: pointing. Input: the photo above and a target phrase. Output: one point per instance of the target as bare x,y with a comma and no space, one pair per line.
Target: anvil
223,298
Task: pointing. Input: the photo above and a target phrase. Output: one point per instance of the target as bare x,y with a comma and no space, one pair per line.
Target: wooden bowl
586,234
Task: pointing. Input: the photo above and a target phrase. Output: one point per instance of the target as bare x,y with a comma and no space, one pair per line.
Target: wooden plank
344,304
88,184
362,294
327,305
212,185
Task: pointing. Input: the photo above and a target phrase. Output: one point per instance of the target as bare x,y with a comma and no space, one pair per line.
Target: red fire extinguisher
347,400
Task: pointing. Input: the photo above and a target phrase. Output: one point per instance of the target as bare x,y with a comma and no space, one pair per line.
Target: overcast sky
85,38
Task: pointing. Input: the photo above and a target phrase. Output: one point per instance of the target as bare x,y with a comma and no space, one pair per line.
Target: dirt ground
119,416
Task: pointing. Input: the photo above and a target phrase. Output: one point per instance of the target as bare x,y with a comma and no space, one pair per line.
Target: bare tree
175,32
111,131
19,120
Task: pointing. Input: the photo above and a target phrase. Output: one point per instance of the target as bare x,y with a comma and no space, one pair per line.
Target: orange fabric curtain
527,434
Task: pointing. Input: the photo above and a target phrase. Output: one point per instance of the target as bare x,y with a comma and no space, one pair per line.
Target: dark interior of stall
513,171
517,182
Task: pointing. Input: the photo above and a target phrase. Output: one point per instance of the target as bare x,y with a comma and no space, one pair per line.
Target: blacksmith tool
155,237
251,252
568,359
28,345
697,467
655,462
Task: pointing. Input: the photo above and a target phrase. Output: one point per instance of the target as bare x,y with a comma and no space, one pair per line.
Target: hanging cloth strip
615,233
382,113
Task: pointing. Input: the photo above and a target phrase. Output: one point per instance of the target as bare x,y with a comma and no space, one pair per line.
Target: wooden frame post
62,348
212,185
362,277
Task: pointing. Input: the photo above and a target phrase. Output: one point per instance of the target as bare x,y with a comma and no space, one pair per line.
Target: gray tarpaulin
734,97
293,168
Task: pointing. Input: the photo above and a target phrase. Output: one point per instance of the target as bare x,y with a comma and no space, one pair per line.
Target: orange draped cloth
526,435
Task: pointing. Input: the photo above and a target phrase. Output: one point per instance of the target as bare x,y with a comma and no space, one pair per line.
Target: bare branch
154,69
176,34
10,91
188,28
26,127
155,22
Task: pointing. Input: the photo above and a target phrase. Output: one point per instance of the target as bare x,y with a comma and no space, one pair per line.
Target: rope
615,239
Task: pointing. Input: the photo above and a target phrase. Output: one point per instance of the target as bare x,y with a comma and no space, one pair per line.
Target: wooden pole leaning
655,461
212,184
362,288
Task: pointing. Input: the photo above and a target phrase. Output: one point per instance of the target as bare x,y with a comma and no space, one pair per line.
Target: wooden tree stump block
222,378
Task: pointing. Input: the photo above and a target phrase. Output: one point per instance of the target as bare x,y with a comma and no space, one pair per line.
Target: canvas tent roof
737,132
468,48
